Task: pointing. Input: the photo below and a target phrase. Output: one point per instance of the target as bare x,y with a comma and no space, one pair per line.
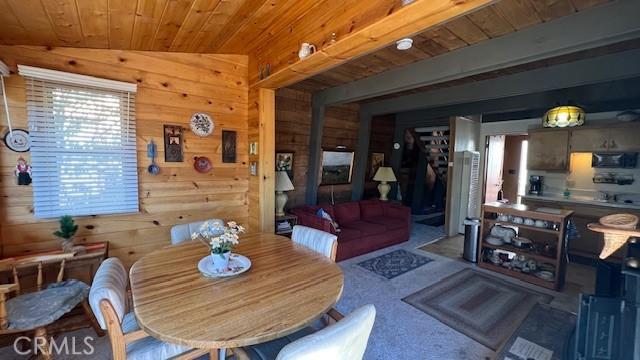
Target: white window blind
83,148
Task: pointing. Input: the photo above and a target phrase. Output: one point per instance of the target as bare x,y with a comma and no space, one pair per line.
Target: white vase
220,261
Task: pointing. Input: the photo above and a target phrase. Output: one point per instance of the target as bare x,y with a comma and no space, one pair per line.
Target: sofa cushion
347,234
367,228
388,222
371,208
346,213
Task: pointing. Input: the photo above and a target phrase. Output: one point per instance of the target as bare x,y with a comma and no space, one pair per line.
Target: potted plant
67,230
220,240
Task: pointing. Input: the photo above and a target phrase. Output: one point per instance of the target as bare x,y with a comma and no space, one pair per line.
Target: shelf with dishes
521,225
524,243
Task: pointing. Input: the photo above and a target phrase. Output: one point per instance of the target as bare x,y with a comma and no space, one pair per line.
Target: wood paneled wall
293,127
171,87
381,141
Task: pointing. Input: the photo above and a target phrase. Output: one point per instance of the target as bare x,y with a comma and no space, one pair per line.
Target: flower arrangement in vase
220,240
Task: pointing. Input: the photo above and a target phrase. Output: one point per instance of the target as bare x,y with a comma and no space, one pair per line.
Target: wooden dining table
287,287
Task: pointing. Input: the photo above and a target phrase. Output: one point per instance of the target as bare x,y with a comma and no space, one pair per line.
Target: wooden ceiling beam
407,21
617,22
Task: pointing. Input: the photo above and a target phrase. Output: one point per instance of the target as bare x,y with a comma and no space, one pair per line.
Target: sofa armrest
314,221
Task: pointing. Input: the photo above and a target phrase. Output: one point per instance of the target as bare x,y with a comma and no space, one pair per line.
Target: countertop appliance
535,184
614,160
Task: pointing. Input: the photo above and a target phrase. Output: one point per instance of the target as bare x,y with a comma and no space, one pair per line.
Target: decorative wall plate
202,164
201,124
18,140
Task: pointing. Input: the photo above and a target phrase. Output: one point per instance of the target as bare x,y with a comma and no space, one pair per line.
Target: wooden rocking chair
24,311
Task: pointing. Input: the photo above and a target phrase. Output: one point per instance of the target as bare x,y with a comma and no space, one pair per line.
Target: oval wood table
287,287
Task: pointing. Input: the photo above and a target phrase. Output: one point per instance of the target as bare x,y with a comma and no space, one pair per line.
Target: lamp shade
384,173
563,116
283,183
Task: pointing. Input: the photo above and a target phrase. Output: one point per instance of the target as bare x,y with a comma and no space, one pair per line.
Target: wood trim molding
407,21
267,163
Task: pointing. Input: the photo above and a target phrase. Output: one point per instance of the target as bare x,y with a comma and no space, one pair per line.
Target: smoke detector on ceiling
404,44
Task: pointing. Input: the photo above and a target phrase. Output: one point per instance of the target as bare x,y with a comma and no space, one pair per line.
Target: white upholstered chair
181,233
345,340
317,240
108,300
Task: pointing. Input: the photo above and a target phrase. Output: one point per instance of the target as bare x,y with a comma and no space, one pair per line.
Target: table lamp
384,175
283,183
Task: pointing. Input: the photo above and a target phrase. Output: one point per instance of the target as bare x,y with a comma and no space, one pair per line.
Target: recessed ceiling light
404,44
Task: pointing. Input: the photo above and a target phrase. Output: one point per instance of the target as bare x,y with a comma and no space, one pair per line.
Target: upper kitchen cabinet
614,138
548,149
626,138
589,140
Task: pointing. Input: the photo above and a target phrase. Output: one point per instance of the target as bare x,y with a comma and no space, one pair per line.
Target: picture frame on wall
337,167
173,143
376,162
229,146
284,162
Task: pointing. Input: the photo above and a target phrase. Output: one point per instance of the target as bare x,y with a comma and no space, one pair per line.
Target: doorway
505,168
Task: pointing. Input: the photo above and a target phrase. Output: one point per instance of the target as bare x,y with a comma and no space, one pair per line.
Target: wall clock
18,140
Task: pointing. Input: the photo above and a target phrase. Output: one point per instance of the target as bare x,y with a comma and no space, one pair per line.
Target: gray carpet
478,305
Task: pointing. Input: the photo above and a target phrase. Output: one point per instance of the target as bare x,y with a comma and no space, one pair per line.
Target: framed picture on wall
284,162
377,161
337,167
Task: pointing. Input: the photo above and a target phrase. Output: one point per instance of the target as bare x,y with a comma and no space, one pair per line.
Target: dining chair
320,241
33,309
345,340
108,298
182,232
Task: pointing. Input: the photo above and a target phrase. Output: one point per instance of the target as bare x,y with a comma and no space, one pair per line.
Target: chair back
320,241
110,284
345,340
182,233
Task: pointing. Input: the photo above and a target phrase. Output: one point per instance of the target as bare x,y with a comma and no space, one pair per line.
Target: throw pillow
325,215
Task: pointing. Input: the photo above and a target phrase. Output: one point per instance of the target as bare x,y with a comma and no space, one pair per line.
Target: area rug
394,263
545,326
483,307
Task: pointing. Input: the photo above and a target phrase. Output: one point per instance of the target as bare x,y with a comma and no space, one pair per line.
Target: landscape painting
336,167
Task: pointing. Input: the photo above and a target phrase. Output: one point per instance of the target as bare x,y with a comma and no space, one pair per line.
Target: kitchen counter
583,200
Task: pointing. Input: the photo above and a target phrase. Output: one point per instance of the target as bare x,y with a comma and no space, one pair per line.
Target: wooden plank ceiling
490,22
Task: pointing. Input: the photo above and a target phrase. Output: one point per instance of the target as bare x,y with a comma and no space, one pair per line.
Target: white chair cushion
317,240
181,233
345,340
148,348
110,283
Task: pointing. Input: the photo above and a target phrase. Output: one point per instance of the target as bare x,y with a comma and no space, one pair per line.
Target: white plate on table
237,265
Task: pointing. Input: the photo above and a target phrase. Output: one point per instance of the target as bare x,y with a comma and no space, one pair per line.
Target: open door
493,167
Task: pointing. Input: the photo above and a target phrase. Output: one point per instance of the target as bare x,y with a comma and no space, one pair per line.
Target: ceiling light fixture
404,44
564,116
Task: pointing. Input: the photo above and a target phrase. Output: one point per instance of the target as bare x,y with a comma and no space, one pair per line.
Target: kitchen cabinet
589,140
548,149
625,138
615,138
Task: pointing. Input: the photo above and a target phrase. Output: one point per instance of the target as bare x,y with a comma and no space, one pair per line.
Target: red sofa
365,226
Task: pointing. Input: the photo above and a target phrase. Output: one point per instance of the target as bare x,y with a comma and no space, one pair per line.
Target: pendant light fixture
564,116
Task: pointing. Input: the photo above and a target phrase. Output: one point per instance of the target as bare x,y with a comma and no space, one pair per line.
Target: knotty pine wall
293,133
171,87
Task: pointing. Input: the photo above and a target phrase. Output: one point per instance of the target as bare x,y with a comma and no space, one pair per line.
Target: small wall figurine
23,172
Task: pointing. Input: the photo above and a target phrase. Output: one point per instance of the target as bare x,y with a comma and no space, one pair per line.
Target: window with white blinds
83,148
